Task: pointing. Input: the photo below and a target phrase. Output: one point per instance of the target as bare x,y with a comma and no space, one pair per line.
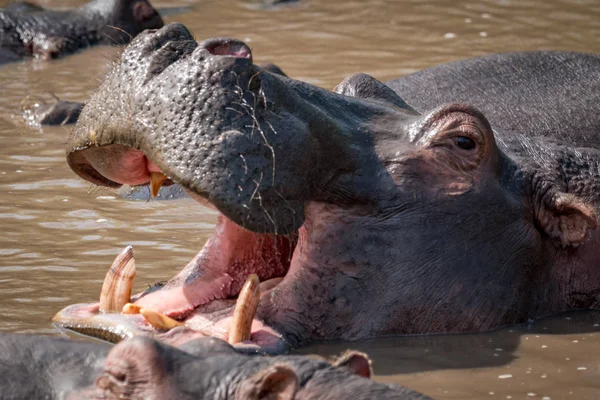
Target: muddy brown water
58,234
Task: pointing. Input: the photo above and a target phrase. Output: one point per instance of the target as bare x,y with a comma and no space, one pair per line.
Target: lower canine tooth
245,310
156,181
269,284
116,289
158,320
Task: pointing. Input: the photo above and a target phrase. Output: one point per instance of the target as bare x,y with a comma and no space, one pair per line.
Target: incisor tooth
131,308
156,181
245,310
158,320
116,289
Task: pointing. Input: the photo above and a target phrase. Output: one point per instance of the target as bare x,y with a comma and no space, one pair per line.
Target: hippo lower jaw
202,297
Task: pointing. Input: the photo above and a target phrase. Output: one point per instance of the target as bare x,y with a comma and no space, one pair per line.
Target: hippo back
553,94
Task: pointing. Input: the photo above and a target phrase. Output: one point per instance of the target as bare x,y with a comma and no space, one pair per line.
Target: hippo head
208,368
125,19
359,216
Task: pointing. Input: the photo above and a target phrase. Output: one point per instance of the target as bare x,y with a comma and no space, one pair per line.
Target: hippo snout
227,142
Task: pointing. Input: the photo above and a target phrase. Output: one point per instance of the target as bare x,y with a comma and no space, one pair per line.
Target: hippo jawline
202,296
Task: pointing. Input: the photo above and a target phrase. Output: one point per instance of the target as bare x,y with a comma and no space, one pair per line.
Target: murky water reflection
59,234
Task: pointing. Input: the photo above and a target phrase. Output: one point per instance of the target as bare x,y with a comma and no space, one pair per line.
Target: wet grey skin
61,112
390,221
30,31
38,367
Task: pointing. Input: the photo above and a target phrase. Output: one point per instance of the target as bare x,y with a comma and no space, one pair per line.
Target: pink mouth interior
218,271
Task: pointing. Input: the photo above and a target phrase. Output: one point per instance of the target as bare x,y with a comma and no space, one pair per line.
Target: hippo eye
464,142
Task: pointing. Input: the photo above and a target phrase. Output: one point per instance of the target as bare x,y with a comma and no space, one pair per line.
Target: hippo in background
26,31
37,367
59,112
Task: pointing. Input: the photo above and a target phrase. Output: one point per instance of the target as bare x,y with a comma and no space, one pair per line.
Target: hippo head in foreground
358,216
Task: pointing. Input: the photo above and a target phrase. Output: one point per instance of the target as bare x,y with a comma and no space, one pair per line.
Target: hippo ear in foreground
356,362
364,86
133,368
278,382
566,218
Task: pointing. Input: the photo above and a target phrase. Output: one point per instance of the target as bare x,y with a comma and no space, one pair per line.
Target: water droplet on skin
468,20
544,347
505,376
450,35
486,15
581,369
483,34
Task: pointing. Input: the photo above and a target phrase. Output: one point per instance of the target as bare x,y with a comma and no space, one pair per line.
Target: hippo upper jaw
206,117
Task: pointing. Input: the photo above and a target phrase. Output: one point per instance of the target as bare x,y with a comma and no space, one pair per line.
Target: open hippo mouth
217,294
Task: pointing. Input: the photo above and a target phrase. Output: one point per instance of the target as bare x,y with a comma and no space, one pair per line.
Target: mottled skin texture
63,112
47,34
406,222
34,367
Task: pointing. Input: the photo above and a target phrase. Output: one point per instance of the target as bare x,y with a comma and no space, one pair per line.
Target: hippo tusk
116,289
245,310
158,320
156,181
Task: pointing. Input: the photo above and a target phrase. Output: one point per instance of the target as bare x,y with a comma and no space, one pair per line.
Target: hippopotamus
60,112
373,209
28,31
37,367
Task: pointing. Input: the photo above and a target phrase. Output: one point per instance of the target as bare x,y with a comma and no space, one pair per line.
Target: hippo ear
356,362
142,11
278,382
366,87
566,218
132,367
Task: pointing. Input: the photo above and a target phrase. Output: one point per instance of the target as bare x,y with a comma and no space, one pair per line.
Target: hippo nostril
227,47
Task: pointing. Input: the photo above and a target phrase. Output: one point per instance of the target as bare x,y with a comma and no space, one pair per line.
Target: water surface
59,233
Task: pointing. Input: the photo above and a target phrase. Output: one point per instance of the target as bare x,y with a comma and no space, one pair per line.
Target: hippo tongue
220,269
